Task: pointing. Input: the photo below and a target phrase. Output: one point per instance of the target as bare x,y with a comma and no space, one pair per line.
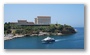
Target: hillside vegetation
53,28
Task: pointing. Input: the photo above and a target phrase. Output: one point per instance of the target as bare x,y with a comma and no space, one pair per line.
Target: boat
75,30
48,40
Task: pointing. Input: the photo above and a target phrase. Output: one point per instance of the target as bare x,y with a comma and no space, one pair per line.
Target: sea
72,41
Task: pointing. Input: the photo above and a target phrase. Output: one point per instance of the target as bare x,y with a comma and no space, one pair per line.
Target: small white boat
75,30
48,40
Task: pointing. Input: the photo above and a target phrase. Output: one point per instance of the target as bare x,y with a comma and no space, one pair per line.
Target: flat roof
44,16
22,20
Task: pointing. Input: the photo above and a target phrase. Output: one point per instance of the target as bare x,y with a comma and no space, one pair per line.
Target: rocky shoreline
11,36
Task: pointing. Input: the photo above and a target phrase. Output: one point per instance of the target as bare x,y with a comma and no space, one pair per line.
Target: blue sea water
73,41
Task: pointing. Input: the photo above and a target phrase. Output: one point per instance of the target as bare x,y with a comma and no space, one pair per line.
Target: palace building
44,20
40,20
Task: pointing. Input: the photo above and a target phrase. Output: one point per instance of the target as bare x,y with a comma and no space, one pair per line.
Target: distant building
22,22
39,21
35,20
43,20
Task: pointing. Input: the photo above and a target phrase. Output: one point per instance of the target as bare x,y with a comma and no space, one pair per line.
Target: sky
70,14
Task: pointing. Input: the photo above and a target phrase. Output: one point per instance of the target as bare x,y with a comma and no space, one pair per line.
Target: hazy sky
71,14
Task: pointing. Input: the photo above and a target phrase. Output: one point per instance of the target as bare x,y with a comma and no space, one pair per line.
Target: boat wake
59,40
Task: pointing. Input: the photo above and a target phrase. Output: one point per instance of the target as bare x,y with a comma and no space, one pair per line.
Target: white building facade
44,20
